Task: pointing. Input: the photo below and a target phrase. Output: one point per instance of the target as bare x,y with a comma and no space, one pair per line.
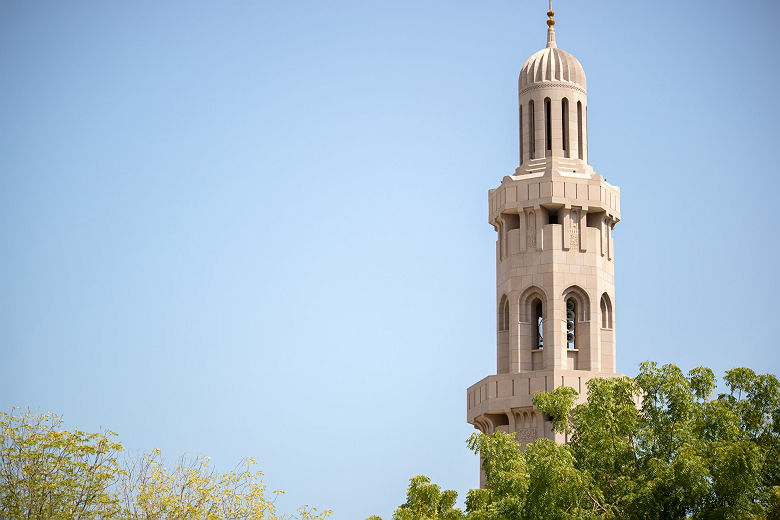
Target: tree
658,446
680,453
540,483
191,489
426,501
47,472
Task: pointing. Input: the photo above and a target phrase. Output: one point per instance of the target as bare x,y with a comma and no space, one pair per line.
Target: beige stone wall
576,131
503,402
555,261
554,219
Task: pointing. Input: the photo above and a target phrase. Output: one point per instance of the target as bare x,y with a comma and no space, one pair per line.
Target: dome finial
551,28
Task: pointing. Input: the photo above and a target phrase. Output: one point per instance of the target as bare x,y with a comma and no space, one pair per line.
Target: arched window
506,314
503,314
531,311
577,328
547,124
565,125
521,134
539,323
606,312
571,323
579,129
531,130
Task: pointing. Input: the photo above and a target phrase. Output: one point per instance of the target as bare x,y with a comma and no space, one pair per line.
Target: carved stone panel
604,237
531,233
526,435
574,229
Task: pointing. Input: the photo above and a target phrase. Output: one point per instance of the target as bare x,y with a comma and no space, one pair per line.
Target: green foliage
426,501
700,457
654,447
541,483
557,404
507,470
47,472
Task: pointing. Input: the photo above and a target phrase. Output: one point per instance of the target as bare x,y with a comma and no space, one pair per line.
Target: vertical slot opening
531,130
579,129
547,125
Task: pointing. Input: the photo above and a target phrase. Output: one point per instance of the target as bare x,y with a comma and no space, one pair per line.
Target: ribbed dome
552,64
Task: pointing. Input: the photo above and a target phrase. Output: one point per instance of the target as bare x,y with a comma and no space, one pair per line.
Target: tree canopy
658,446
47,472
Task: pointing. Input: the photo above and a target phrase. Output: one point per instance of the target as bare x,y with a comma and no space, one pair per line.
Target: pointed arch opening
577,328
607,334
581,300
606,312
503,314
503,343
531,313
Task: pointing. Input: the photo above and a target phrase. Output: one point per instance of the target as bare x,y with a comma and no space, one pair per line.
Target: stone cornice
553,84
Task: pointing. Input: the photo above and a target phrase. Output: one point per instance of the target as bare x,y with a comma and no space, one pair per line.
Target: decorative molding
553,84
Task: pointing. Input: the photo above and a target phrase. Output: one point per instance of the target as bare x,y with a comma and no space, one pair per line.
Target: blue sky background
257,228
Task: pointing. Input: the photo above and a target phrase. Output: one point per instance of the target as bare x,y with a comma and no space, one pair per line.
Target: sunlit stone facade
555,290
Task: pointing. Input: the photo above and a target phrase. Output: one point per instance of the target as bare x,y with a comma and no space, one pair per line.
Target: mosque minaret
555,290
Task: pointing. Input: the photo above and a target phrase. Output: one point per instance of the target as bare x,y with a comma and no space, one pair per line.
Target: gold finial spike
550,14
550,27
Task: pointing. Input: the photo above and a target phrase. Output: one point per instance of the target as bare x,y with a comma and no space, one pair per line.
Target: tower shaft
555,289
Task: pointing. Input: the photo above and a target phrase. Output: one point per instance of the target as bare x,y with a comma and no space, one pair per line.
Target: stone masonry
555,288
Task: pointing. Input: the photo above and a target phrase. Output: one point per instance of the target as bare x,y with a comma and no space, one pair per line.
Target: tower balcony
495,402
552,206
554,183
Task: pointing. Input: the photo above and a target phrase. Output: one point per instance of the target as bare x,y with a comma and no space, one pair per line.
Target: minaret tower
555,291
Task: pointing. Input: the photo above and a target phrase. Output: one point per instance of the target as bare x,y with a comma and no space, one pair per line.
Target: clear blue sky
260,228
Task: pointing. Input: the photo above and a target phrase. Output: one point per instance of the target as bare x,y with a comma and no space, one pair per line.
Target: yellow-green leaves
192,489
557,404
426,501
47,472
